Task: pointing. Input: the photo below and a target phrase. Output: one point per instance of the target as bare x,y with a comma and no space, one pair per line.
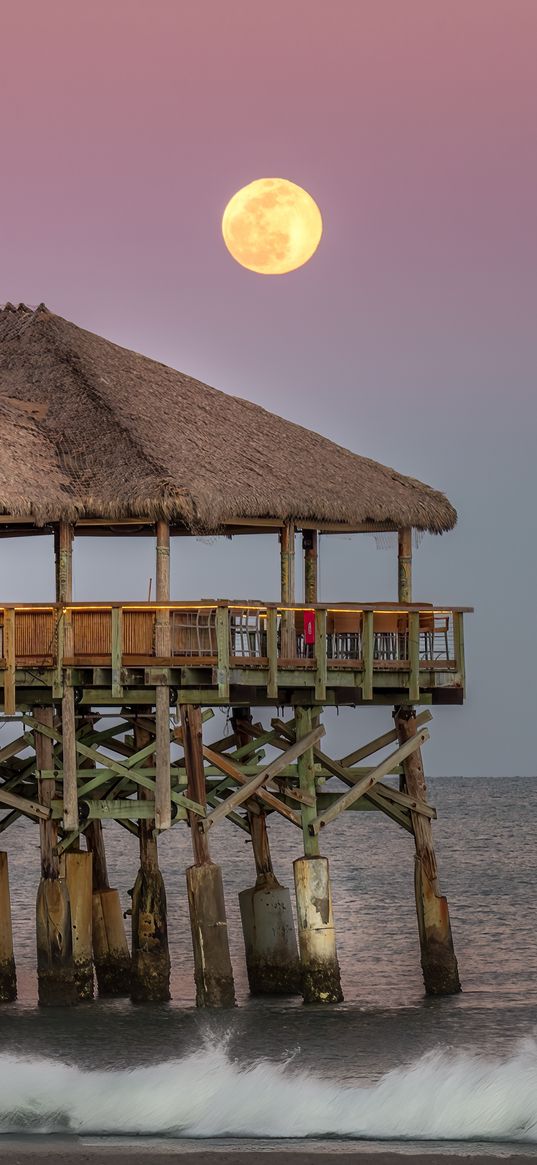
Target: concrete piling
269,939
321,981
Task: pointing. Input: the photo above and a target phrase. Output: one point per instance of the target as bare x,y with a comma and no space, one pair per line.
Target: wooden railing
229,637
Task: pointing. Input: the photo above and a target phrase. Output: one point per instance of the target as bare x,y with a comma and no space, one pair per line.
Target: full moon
272,226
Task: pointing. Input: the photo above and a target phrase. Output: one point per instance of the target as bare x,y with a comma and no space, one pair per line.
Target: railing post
320,655
458,636
57,679
272,652
222,645
367,656
117,651
10,702
414,656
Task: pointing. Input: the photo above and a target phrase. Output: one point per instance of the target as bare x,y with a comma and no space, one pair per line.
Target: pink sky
127,125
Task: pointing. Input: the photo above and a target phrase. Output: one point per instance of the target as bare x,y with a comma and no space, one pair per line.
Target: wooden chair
387,635
434,628
248,634
344,634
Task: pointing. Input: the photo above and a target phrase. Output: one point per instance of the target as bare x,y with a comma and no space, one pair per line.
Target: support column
8,978
150,953
321,981
110,949
287,571
404,565
64,594
266,913
213,972
438,961
163,817
55,970
311,565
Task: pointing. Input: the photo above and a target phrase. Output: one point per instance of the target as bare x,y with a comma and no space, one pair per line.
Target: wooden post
77,869
266,914
64,594
404,561
309,546
321,981
163,818
438,961
63,545
8,978
55,969
287,571
212,963
257,821
150,980
110,949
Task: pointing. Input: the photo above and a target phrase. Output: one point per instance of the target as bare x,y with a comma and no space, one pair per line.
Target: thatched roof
91,429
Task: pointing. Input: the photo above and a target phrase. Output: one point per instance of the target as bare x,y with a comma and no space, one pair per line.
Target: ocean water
388,1065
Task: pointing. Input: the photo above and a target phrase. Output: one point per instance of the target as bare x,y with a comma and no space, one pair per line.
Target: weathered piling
76,868
213,972
111,953
268,928
438,960
150,980
55,969
321,980
8,977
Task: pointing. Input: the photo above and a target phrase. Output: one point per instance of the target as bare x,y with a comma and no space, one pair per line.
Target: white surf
439,1097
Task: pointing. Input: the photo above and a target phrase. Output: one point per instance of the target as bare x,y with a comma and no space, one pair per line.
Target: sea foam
439,1097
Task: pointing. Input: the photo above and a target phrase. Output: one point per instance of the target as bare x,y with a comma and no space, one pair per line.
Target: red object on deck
309,626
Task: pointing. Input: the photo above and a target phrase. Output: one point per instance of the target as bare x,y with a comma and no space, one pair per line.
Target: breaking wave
439,1097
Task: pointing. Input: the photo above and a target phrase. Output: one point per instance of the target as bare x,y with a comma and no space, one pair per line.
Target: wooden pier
109,704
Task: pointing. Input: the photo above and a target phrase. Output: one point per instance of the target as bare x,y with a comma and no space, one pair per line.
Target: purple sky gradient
410,336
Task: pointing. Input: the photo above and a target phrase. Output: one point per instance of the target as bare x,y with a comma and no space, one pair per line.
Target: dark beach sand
65,1152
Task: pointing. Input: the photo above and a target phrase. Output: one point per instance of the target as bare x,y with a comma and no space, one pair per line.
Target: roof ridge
16,319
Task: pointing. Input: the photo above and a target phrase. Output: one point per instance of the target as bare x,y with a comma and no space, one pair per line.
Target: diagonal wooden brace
249,787
367,783
390,801
28,808
125,770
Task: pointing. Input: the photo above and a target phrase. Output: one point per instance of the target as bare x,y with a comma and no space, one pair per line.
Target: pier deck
223,652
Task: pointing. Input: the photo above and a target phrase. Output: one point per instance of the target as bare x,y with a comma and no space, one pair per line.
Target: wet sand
78,1153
